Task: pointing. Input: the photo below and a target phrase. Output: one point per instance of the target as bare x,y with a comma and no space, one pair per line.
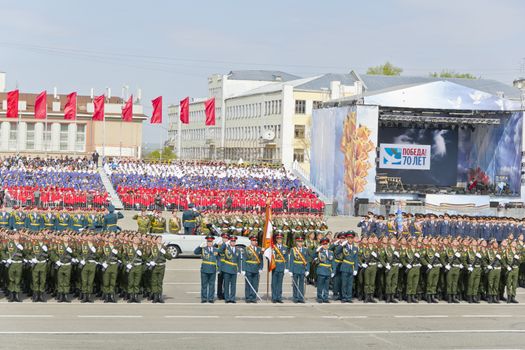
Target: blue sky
169,48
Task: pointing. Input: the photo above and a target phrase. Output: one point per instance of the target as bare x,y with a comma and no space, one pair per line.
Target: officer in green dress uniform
18,219
512,261
62,222
493,263
174,223
111,219
209,266
158,223
230,266
189,219
455,260
38,257
157,258
109,257
143,221
132,259
280,256
14,258
412,263
252,265
390,259
62,257
325,267
349,266
338,258
369,263
77,222
34,221
88,260
299,267
4,219
431,260
49,221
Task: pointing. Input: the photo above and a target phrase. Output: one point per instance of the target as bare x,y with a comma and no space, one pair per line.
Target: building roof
383,82
261,75
275,87
324,80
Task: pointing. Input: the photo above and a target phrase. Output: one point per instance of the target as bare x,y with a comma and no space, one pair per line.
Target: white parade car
180,244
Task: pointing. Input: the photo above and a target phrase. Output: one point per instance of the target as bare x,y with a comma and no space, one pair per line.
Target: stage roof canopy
441,94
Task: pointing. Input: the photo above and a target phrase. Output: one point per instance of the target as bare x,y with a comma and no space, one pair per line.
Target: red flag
185,111
127,110
98,104
70,109
156,117
12,104
209,107
41,106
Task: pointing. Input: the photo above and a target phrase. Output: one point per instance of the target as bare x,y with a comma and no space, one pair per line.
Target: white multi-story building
260,116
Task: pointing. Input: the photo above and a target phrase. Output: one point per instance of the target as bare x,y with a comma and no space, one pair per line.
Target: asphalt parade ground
184,323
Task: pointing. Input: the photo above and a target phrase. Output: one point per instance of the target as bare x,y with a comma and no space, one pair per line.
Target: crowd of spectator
49,181
210,186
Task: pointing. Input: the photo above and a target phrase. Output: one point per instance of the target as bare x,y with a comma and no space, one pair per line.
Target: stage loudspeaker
494,204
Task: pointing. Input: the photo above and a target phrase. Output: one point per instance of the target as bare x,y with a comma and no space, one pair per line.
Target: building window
80,142
316,104
299,131
300,106
12,136
63,136
30,138
47,137
298,155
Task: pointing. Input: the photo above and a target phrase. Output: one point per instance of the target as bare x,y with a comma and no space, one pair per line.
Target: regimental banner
403,156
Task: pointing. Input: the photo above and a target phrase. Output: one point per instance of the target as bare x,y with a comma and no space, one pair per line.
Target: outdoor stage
414,144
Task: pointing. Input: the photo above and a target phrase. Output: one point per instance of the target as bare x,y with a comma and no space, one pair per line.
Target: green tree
384,69
452,74
167,154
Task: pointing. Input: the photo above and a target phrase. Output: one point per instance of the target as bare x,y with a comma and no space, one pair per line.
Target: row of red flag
209,110
70,109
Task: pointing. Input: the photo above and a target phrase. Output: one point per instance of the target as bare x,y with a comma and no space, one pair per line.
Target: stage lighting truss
431,119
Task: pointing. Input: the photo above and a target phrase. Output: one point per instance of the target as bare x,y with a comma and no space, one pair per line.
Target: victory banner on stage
404,156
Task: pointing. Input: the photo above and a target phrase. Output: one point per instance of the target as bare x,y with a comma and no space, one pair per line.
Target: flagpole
76,129
45,132
104,136
179,138
18,132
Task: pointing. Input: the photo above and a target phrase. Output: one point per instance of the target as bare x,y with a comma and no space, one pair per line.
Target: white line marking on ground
344,317
485,316
421,316
264,317
190,316
208,332
110,316
26,316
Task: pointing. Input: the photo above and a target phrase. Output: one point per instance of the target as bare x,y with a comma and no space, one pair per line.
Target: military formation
63,219
290,225
371,268
86,264
410,225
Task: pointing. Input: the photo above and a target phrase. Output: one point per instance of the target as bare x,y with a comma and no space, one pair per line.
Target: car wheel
174,251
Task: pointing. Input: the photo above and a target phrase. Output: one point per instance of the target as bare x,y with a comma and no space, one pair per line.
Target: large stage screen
419,156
